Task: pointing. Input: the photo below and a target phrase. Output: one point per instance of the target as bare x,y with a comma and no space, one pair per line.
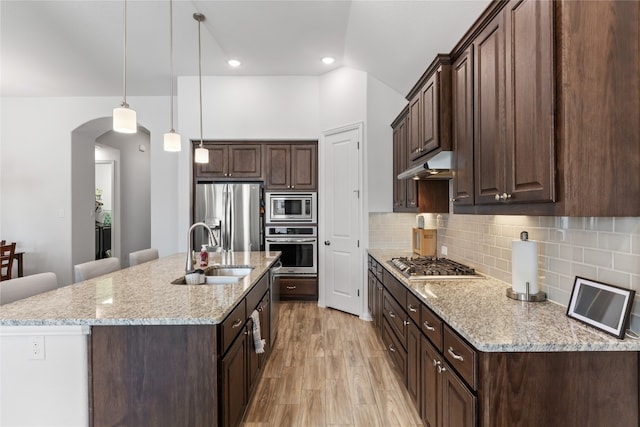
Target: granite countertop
479,311
141,295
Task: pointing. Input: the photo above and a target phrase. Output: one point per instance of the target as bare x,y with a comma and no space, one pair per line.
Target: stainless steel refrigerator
233,212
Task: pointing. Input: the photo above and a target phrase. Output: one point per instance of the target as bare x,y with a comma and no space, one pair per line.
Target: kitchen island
161,353
470,356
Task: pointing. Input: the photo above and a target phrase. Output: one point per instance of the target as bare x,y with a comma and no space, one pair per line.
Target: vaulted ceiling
75,47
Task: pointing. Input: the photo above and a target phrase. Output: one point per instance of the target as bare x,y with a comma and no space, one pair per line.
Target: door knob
327,242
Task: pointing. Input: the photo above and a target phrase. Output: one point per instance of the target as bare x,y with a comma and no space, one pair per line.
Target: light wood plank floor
328,368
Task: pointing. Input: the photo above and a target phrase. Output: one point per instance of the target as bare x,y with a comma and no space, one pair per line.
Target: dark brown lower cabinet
233,376
458,403
413,362
298,288
430,382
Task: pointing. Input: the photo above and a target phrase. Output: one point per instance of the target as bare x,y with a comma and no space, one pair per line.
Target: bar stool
144,255
23,287
91,269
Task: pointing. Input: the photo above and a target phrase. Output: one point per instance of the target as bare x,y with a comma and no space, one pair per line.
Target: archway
132,203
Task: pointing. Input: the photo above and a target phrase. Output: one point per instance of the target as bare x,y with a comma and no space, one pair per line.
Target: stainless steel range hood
437,167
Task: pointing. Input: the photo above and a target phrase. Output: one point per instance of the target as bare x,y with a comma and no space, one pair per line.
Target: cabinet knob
327,242
406,323
502,197
391,348
441,369
436,362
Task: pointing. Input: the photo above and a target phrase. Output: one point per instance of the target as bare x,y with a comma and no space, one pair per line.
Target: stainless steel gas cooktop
427,267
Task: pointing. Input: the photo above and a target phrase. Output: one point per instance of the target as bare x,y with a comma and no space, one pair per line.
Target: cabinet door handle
391,348
391,314
436,362
441,369
412,308
291,287
428,326
406,323
236,323
455,355
260,308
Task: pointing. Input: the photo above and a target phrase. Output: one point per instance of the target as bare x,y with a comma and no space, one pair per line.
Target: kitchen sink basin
220,275
228,271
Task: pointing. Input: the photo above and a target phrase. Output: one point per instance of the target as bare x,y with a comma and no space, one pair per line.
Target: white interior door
341,208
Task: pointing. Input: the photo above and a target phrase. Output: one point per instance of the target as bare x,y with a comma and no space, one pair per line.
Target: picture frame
603,306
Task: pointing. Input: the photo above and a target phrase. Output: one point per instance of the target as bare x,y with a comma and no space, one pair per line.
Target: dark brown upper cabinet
462,136
292,167
231,161
409,195
556,101
430,111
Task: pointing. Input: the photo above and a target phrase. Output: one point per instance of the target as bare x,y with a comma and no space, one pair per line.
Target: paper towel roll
524,266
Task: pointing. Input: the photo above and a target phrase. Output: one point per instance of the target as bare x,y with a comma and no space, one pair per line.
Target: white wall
241,108
383,105
35,169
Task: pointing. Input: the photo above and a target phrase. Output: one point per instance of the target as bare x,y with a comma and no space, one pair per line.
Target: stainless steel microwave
291,207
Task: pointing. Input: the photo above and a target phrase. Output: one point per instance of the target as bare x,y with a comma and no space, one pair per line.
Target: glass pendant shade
202,155
172,141
125,120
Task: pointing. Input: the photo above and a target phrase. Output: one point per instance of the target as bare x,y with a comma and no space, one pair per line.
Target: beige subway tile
584,270
627,225
598,258
626,263
613,277
559,266
570,253
614,242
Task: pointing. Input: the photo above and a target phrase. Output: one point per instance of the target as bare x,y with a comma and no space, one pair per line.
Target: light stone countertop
141,295
479,311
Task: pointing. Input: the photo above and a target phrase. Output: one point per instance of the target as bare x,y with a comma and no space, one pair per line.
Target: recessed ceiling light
234,63
328,60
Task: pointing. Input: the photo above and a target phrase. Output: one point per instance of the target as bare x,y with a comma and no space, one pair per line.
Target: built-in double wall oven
299,247
291,228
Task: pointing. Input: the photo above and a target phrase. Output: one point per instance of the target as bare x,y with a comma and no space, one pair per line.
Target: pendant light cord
171,57
124,68
200,74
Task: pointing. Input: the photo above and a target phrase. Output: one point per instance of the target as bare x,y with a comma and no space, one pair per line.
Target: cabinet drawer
395,288
299,288
255,295
431,326
413,308
396,316
232,325
395,350
461,356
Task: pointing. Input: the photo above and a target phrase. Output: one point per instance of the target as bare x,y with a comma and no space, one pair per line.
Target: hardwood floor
328,368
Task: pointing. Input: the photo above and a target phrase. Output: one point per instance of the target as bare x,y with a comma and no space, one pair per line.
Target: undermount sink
228,271
220,275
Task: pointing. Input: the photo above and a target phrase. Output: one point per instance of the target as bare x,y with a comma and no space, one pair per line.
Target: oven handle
292,240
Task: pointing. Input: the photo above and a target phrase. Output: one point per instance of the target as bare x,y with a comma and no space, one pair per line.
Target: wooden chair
91,269
23,287
6,259
144,255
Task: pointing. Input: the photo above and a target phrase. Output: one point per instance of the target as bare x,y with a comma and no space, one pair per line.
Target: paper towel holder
526,296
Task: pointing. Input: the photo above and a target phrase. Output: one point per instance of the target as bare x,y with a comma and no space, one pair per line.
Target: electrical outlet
35,348
443,250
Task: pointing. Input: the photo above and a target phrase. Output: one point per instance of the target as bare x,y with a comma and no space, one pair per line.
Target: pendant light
201,154
124,118
171,138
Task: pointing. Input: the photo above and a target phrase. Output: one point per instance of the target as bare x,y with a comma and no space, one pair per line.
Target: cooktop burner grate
430,266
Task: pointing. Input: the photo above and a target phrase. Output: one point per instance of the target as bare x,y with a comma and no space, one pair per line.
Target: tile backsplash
602,249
